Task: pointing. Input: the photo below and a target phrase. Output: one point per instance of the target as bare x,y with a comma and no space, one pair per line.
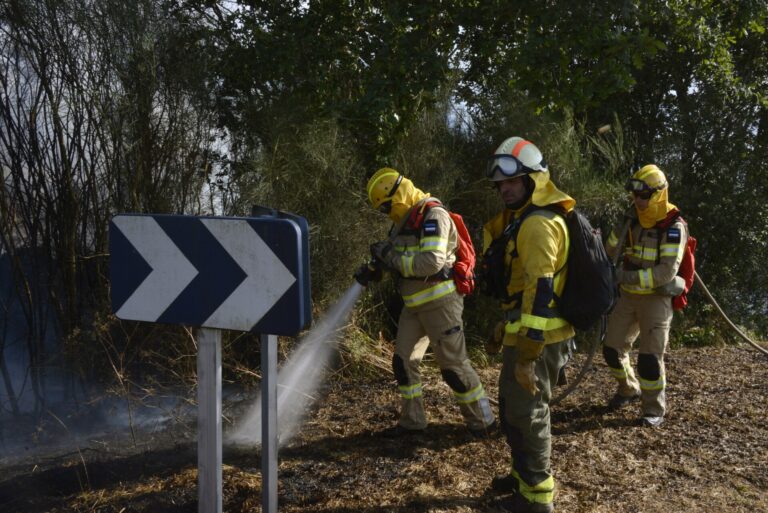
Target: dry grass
710,455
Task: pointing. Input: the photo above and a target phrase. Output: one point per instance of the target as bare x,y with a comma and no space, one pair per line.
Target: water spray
301,375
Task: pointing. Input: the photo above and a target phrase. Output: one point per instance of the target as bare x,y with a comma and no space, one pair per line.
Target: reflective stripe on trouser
525,420
646,319
441,325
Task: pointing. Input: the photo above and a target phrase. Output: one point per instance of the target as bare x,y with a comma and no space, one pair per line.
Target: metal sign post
269,424
209,420
246,274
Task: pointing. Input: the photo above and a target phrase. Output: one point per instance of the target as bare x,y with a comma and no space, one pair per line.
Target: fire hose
604,323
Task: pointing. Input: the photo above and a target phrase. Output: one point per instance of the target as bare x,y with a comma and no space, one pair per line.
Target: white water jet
301,376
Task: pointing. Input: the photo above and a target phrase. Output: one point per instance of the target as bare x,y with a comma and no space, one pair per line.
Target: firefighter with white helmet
652,252
528,244
421,257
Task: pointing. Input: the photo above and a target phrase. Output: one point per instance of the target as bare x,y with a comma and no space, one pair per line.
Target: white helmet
514,157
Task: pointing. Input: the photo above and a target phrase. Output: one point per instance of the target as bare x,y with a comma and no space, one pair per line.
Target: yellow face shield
405,197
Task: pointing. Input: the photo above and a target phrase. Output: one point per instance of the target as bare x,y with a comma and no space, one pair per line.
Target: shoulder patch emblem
673,235
430,227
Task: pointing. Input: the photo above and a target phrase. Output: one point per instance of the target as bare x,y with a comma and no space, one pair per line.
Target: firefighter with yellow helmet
530,244
652,252
421,258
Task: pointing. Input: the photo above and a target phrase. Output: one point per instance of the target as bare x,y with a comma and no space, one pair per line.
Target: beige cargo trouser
649,317
439,323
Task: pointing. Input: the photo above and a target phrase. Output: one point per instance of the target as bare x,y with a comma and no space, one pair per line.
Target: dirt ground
711,454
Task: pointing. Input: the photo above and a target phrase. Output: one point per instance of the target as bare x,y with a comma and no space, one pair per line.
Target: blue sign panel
246,274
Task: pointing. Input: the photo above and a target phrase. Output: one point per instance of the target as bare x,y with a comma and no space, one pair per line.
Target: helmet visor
507,165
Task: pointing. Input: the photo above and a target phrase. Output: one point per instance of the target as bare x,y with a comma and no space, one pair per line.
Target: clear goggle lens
507,165
639,188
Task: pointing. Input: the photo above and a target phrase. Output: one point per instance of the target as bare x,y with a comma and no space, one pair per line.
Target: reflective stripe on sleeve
406,264
671,250
433,244
646,278
542,323
644,253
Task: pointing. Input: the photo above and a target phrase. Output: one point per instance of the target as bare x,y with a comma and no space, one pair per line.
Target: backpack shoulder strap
418,212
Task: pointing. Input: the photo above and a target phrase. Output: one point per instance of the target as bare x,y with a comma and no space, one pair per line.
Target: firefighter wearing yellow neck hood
649,183
392,193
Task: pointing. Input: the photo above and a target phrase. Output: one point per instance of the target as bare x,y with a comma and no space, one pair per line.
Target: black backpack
590,290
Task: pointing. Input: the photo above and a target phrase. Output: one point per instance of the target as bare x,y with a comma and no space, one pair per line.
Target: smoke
301,376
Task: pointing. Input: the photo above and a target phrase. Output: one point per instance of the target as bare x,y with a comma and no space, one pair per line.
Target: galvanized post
209,421
269,423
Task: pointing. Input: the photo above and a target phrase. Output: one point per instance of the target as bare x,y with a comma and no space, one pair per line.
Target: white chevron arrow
171,271
268,279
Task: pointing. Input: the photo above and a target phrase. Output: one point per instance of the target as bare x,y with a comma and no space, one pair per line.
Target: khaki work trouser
441,325
526,423
650,318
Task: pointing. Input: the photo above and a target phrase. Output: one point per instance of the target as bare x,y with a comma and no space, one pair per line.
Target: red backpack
464,267
687,269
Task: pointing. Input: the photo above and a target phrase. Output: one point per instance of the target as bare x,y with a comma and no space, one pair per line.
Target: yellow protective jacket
418,255
652,256
536,263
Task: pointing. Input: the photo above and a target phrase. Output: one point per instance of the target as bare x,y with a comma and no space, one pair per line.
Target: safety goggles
508,165
386,207
639,188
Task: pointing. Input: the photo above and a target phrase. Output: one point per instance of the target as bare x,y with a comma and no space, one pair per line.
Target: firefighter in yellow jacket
530,245
421,257
652,252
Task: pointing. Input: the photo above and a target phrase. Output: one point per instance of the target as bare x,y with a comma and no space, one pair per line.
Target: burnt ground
711,455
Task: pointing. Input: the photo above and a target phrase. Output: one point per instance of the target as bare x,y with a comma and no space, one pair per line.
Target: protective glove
673,288
528,350
526,376
367,273
380,249
496,339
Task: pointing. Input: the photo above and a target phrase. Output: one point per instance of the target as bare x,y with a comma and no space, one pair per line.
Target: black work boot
504,485
518,504
397,431
619,401
489,431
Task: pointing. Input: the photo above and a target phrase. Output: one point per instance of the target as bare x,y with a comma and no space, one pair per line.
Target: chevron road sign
247,274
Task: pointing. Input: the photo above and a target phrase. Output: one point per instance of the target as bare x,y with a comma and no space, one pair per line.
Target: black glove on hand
380,249
367,274
363,275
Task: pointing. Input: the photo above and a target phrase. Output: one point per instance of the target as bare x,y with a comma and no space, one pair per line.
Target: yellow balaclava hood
546,192
389,185
658,205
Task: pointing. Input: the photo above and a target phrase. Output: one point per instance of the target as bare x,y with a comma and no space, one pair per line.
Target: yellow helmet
646,181
649,183
383,185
